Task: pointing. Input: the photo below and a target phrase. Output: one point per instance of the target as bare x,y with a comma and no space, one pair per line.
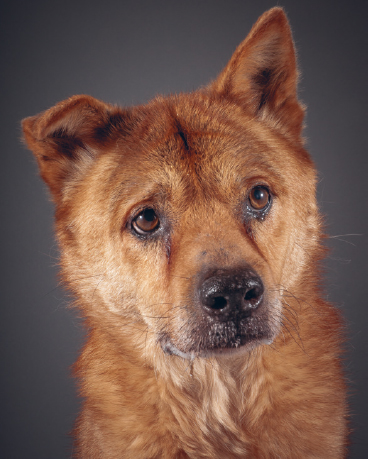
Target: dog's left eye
146,222
259,197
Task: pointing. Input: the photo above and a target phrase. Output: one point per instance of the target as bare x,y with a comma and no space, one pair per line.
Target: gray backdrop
126,52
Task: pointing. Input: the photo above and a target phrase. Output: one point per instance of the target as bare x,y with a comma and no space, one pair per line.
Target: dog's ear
262,74
63,138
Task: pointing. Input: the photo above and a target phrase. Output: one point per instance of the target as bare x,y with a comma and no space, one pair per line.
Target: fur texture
222,181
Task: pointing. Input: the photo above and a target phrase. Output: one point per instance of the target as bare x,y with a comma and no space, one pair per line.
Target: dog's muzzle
229,312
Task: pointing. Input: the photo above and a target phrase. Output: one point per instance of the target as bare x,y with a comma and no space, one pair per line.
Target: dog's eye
259,197
146,222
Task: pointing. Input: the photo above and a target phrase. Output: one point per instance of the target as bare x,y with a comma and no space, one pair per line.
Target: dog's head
184,220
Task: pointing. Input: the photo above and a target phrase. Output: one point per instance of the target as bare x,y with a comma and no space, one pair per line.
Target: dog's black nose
226,294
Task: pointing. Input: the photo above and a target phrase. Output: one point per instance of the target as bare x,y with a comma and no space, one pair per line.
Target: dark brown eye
146,222
259,197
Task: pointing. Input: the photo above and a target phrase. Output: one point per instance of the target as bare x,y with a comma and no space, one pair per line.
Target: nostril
219,302
251,294
253,297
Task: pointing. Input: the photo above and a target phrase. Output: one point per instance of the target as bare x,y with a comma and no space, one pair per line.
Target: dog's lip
170,349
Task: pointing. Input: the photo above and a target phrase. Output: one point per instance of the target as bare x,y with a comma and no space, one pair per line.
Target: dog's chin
170,349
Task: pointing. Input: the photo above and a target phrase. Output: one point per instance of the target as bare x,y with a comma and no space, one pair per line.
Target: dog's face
186,219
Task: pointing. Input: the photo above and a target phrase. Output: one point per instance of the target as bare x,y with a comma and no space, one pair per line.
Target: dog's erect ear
262,74
63,138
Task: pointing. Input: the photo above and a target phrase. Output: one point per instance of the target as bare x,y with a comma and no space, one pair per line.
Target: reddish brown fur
194,158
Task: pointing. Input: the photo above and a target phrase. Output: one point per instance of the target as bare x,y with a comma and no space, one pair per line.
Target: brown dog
191,238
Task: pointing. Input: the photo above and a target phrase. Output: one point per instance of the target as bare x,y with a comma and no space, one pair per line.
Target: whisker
339,236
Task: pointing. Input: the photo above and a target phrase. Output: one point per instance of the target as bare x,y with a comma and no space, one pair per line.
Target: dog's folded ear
63,138
262,74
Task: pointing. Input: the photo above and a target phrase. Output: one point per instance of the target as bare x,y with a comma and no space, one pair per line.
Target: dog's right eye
146,222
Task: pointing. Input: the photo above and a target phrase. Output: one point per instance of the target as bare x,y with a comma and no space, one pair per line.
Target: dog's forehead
193,143
196,139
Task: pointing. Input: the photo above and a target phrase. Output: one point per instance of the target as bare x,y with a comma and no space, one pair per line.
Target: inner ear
72,119
262,74
65,138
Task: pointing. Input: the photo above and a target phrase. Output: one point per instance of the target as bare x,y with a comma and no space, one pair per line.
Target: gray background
127,52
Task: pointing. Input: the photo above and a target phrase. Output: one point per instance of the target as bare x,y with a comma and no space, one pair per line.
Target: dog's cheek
90,258
137,283
288,238
110,268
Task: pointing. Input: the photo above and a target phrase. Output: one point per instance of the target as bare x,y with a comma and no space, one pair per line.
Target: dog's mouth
211,338
170,349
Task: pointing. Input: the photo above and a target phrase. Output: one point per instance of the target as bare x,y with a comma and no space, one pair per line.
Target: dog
191,240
